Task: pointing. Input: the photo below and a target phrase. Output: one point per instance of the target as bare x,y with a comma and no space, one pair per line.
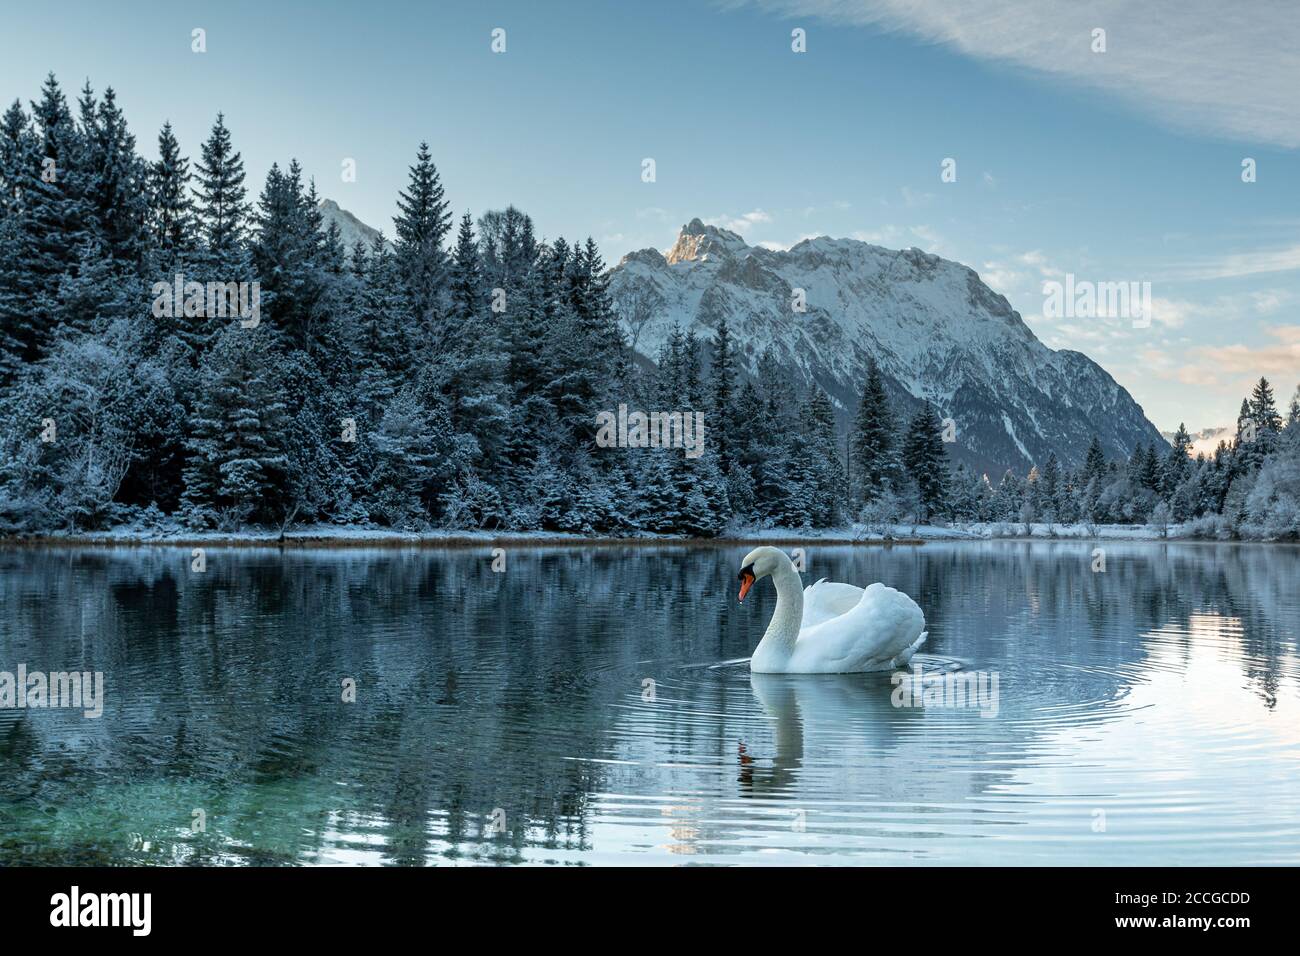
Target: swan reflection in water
816,717
843,733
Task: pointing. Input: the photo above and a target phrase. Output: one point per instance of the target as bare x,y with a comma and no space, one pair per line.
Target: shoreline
331,537
429,542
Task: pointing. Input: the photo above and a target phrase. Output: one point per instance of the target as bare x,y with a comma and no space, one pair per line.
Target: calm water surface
1146,714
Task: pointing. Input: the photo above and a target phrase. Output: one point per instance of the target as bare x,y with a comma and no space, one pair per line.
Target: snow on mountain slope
350,227
937,331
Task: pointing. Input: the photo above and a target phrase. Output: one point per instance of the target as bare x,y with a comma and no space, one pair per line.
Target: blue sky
1115,166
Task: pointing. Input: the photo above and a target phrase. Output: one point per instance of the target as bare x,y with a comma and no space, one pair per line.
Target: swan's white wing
827,599
882,631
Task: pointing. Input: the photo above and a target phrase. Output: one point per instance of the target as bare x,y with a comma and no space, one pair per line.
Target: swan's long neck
783,630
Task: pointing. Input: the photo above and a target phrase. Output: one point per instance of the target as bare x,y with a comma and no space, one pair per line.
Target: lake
592,706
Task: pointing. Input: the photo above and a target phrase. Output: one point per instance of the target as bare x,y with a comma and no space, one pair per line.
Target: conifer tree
469,362
1047,489
17,156
17,159
48,238
171,206
286,255
1263,412
422,226
872,451
925,460
721,381
236,450
1094,462
222,209
826,489
1178,463
114,182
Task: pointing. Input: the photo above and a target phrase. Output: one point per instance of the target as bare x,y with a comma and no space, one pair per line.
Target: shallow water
1149,713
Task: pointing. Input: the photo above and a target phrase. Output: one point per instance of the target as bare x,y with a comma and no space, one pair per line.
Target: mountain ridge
938,332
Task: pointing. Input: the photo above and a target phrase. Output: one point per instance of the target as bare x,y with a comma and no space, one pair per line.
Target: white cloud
1229,69
1238,264
740,224
1021,273
838,205
1269,300
1280,358
901,237
912,198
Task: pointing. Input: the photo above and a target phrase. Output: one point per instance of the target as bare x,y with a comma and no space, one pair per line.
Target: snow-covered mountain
350,227
936,330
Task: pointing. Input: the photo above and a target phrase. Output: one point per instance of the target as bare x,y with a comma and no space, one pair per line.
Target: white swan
830,628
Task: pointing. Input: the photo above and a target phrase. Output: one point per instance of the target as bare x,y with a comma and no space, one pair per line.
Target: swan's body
830,628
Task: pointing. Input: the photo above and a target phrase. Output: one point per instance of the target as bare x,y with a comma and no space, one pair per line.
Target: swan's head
757,564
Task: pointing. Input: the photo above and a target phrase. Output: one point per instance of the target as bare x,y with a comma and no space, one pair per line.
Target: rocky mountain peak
698,242
351,229
938,333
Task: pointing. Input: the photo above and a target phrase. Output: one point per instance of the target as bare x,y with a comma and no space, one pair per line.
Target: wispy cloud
740,224
1204,65
1238,264
899,237
1281,357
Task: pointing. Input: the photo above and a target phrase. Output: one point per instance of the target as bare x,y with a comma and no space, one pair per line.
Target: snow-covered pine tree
507,245
1145,467
872,449
45,241
1008,497
826,492
221,207
421,228
925,461
1094,462
1177,465
17,151
333,256
414,466
762,444
692,396
17,157
531,372
237,455
1047,489
1263,412
468,363
375,341
286,256
722,375
969,495
114,184
171,207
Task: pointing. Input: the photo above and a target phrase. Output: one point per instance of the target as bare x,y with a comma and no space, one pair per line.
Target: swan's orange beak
746,581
